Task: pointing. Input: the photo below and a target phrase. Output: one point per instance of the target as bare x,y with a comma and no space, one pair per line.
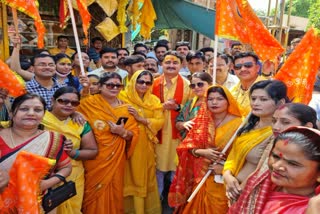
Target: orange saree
104,175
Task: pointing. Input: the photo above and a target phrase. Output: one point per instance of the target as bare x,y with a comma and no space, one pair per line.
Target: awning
182,14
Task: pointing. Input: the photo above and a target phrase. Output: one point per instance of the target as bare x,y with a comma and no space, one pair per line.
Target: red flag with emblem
235,19
63,14
30,7
300,70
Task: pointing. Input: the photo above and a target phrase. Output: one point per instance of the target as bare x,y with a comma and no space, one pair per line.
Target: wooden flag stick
223,151
15,20
76,37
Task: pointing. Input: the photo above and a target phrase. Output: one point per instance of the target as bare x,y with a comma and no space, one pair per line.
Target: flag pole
15,20
223,151
215,55
76,37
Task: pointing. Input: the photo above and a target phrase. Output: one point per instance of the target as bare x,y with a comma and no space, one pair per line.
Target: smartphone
124,119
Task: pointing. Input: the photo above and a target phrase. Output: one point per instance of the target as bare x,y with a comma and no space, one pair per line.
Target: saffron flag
30,7
23,192
11,81
64,15
300,70
147,19
82,7
235,19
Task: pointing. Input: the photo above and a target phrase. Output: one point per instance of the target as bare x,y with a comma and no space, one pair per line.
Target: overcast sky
262,4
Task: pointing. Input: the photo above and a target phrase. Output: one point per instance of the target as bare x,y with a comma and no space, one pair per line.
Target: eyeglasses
141,82
51,65
199,84
246,65
65,102
112,85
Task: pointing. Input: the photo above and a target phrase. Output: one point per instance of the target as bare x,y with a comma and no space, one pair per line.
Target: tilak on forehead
64,60
171,58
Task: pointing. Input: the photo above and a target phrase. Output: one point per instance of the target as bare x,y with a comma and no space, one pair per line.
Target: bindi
285,142
280,155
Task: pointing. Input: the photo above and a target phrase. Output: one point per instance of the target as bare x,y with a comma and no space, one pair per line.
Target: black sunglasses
65,102
199,84
112,85
246,65
141,82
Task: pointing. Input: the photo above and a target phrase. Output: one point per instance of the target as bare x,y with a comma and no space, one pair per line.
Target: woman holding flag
216,122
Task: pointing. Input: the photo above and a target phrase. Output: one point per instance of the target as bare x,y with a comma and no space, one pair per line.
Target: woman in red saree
286,116
216,122
292,178
24,135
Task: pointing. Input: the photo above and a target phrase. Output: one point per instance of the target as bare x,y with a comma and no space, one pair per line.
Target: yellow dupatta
243,145
149,101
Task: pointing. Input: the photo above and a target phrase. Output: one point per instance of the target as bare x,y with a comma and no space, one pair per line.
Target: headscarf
202,135
131,95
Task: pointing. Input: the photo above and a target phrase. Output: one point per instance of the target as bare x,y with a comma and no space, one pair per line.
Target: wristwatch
178,108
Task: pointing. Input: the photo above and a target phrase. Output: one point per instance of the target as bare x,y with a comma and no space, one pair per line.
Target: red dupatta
158,90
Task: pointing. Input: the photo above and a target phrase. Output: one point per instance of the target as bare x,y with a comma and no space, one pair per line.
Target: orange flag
83,11
235,19
23,192
64,15
300,70
11,81
29,7
85,17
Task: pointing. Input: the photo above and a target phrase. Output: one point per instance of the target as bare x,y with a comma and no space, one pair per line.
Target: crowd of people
137,132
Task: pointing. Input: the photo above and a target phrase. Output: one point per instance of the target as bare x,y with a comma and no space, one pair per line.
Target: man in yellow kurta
62,47
246,68
173,91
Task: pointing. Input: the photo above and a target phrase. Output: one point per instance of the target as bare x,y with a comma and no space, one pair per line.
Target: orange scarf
158,90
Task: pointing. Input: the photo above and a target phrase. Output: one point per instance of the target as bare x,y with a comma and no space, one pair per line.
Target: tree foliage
300,7
314,15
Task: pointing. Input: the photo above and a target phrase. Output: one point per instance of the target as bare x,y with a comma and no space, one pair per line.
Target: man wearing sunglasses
173,91
246,68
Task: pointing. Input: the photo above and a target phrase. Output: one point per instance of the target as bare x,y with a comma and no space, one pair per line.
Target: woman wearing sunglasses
216,122
80,138
140,183
116,132
200,82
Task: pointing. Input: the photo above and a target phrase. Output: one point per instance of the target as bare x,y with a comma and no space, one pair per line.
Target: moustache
151,69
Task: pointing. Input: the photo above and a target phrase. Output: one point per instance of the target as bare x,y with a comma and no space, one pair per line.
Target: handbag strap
61,178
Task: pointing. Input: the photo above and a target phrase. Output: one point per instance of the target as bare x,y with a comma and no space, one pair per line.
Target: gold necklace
11,137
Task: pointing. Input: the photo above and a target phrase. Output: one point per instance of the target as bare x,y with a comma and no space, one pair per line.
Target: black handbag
54,197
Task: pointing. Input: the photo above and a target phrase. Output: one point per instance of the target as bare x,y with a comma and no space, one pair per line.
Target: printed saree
23,191
103,192
211,198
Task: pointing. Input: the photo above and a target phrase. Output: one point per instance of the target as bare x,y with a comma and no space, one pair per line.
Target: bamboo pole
275,18
282,7
288,25
268,13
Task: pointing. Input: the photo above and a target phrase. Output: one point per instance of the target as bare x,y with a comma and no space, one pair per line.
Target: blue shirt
34,87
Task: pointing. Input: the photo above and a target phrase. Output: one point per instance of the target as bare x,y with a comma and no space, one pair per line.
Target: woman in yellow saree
140,184
216,122
64,103
116,139
246,152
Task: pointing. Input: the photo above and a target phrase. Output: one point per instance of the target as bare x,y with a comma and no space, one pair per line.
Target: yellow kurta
55,51
242,97
242,146
140,170
166,152
104,175
71,131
